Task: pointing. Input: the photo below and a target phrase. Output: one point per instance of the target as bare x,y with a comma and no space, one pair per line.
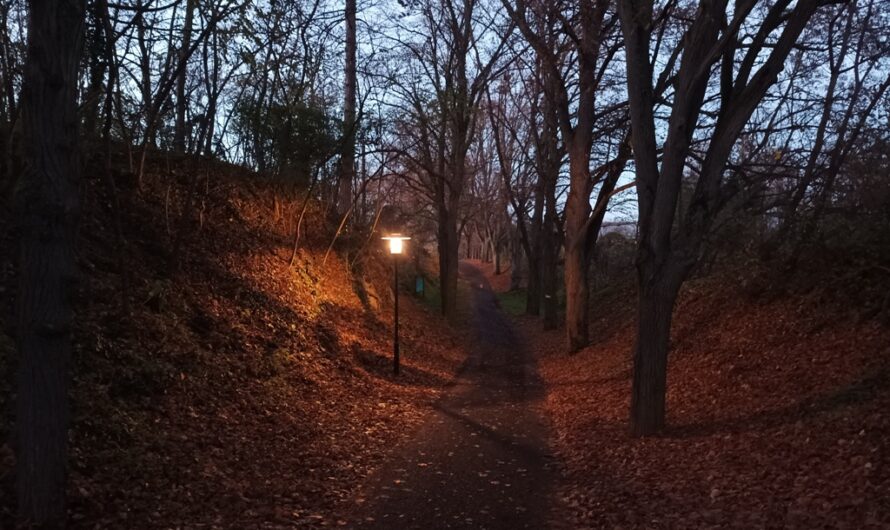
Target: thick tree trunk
497,260
657,296
549,240
576,281
47,204
577,292
469,244
533,287
347,158
448,263
516,268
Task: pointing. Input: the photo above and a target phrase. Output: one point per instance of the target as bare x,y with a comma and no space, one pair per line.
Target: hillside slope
777,415
235,391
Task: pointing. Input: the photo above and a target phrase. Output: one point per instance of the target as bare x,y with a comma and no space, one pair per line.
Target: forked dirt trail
481,458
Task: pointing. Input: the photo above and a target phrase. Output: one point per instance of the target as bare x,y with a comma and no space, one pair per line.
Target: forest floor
777,413
233,390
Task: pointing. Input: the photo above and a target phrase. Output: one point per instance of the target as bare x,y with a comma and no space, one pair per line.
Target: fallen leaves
777,418
244,393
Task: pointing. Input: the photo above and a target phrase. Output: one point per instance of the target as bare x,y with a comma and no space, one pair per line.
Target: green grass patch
432,298
432,295
513,302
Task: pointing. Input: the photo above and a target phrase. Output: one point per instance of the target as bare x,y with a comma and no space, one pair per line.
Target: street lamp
396,245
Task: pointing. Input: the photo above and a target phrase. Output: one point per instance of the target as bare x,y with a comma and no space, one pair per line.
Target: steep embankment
777,411
237,391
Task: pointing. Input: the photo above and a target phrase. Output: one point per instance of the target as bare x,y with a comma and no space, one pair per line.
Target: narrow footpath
481,459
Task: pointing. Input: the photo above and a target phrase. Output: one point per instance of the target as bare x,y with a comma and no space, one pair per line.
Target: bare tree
182,103
549,154
856,84
710,47
442,95
590,30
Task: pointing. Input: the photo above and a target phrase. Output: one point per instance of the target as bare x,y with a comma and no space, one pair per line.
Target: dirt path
481,459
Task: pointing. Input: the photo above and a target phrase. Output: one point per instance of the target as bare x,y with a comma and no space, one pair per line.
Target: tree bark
576,281
497,259
47,205
533,287
550,238
657,296
448,263
516,255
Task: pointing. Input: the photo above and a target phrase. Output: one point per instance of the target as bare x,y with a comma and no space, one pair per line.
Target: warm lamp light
395,246
396,243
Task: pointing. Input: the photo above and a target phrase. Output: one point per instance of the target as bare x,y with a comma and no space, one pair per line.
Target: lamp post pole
396,242
395,289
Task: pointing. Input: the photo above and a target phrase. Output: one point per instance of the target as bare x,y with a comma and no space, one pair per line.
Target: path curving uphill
481,459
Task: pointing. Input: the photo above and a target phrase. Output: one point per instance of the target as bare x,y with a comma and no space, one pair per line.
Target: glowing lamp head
395,246
396,243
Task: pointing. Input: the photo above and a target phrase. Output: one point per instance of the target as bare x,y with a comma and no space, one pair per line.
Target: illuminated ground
481,459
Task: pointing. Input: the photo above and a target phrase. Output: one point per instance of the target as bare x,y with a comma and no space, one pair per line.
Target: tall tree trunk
179,132
213,91
347,158
533,288
211,126
577,292
516,255
448,243
145,80
97,66
469,249
47,204
550,242
657,296
550,236
497,259
576,281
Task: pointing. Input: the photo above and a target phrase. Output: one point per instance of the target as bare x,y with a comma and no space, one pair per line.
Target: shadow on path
480,460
